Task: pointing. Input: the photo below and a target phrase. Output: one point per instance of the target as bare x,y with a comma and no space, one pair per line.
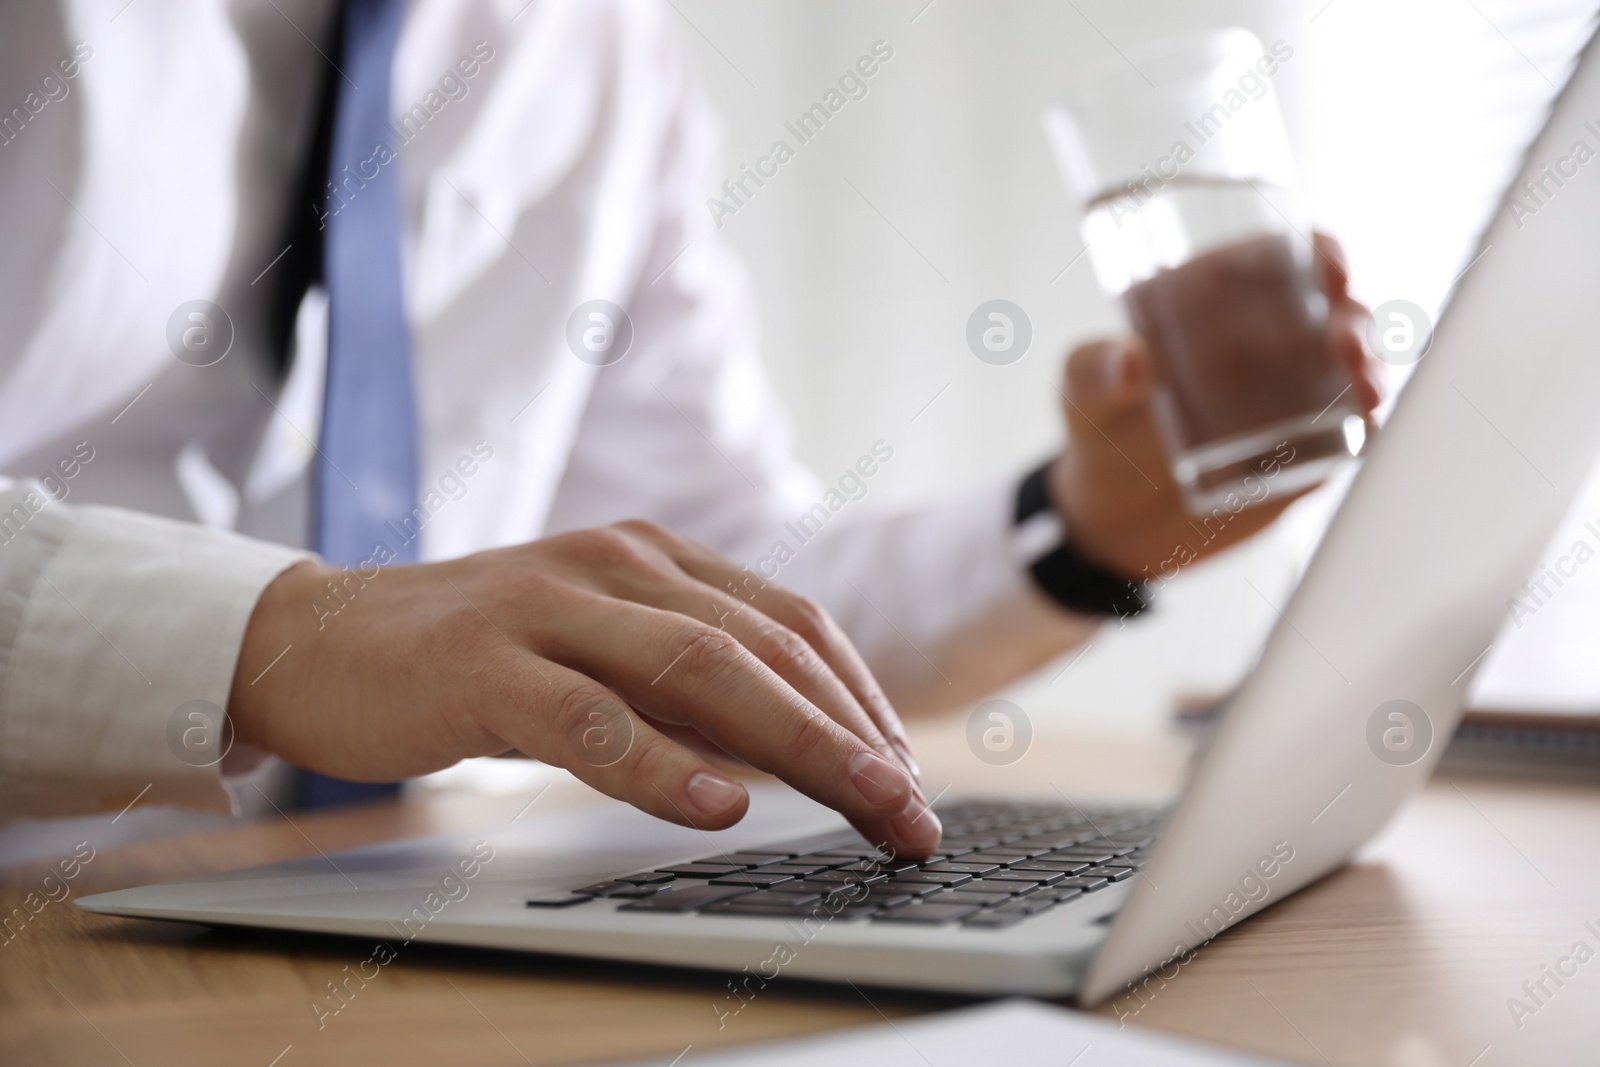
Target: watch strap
1063,573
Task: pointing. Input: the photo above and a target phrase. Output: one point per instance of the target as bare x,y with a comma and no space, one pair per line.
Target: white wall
936,192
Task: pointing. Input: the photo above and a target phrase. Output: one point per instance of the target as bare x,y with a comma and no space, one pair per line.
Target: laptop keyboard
1000,862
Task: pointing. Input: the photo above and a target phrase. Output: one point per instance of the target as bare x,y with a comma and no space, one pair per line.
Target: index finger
682,671
812,623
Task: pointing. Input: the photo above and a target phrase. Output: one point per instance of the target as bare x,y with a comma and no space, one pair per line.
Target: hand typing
625,654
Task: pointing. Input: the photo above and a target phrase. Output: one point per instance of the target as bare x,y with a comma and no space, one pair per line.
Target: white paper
1017,1033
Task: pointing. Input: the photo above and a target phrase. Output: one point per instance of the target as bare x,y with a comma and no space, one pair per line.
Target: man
550,478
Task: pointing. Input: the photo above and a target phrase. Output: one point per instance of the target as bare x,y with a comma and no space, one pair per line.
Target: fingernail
1112,361
876,779
906,757
918,827
712,793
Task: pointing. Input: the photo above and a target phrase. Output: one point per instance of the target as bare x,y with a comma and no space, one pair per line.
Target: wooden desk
1407,957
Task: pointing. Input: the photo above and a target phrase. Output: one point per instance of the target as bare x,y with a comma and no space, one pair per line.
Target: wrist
1049,546
276,621
1098,529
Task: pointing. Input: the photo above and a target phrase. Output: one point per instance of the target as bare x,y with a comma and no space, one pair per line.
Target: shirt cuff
116,629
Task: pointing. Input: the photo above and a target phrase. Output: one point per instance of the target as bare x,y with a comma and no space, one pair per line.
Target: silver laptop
1355,694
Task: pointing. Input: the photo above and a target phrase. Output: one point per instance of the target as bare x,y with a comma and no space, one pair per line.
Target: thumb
1332,270
1104,381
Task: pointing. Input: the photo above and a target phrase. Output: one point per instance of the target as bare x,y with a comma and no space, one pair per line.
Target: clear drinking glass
1179,157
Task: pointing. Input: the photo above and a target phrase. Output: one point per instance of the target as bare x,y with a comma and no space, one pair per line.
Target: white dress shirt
148,163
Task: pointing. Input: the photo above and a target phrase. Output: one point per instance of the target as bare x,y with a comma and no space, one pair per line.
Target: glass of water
1179,157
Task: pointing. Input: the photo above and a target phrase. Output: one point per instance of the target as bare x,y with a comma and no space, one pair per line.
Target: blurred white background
936,192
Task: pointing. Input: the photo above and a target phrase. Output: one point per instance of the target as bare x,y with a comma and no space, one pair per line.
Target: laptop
1348,709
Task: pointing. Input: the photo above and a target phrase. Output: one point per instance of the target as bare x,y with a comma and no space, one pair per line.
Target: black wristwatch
1058,569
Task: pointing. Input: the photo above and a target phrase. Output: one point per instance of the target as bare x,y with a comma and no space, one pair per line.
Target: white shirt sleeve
686,431
935,598
110,622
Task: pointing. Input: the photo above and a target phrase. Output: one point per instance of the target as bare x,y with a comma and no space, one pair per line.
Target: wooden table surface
1407,957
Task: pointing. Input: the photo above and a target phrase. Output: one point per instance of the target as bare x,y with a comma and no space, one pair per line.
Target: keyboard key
888,867
744,859
961,896
794,870
639,891
887,897
823,910
759,879
1139,840
853,895
1004,855
1056,841
1084,882
916,889
1059,866
1090,856
970,843
698,870
792,893
559,898
739,906
1113,874
1037,877
932,914
810,885
932,878
807,885
645,878
1010,885
621,889
962,868
847,877
793,901
1064,893
687,898
865,852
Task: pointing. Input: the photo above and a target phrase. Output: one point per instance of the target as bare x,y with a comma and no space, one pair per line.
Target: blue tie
366,473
